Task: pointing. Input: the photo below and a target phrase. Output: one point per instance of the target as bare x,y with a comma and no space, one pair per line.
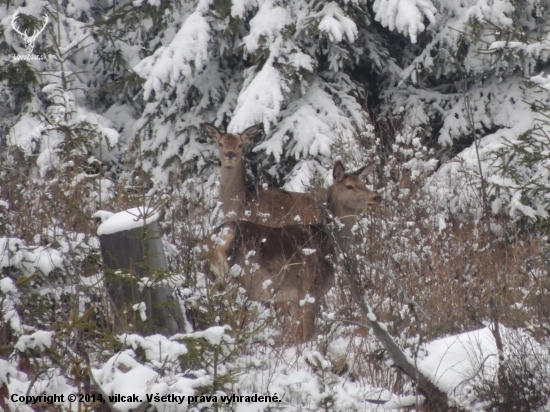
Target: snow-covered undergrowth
439,270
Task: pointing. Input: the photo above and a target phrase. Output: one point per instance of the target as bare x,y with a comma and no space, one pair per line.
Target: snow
318,360
336,24
103,215
142,309
44,259
252,93
405,16
542,81
7,286
457,363
261,99
123,374
307,299
185,55
127,220
496,11
7,370
215,335
40,339
291,377
266,284
502,44
121,116
8,304
451,362
517,205
240,7
28,127
315,124
456,184
158,349
11,251
101,123
403,401
268,22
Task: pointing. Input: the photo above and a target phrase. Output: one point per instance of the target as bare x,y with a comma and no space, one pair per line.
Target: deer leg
302,321
309,312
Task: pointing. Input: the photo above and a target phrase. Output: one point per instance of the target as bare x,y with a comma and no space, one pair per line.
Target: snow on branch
533,49
240,7
310,126
494,11
404,15
336,24
311,121
261,99
541,81
185,56
268,22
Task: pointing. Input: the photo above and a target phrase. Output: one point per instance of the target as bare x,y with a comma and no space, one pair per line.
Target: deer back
276,208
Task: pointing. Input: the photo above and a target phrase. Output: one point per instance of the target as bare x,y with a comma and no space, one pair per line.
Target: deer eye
221,144
240,146
349,187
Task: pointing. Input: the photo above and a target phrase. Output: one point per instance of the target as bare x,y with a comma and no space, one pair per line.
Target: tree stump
131,249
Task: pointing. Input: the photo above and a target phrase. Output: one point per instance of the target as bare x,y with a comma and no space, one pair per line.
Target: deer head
349,193
231,145
29,40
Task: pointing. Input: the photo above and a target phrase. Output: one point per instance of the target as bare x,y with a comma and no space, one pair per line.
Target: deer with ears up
269,207
286,265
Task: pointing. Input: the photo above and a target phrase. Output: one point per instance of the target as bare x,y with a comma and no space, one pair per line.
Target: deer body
269,207
288,263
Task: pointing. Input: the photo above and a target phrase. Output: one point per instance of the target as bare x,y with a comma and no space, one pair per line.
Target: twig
408,300
476,145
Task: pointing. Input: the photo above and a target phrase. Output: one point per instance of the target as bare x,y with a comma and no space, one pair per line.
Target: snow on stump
132,252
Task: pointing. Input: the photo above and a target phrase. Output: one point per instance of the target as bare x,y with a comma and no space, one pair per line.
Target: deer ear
338,172
250,134
211,131
362,172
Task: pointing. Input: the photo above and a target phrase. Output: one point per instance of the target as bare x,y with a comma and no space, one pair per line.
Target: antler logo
29,40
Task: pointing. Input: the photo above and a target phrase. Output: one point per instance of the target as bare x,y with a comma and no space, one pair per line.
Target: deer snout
231,155
378,198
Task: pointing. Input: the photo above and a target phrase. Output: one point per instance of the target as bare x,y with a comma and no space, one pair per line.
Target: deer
269,207
292,265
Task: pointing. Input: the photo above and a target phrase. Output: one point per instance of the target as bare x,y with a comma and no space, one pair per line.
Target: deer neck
233,191
346,216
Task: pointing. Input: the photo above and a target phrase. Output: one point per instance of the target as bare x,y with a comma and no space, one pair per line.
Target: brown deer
286,264
269,207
